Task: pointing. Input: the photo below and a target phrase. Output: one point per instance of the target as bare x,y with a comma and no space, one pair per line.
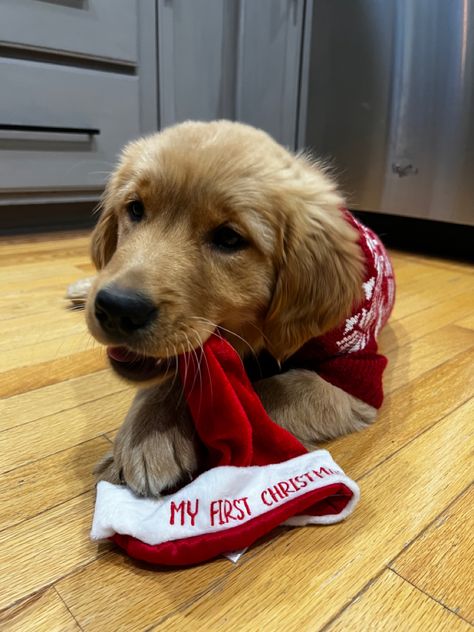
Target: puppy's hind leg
311,408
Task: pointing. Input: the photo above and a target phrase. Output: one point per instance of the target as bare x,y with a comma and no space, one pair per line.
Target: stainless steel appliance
390,102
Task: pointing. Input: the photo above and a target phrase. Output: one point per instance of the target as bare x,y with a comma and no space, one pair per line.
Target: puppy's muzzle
121,312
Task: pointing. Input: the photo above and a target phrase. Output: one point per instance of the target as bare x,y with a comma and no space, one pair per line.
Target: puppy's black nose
121,311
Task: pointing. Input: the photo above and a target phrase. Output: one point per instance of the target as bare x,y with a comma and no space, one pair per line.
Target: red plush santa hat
256,477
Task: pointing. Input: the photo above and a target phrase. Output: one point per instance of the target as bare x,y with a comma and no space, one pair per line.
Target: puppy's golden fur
298,277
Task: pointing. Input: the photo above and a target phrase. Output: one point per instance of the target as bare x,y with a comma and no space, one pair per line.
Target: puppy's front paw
156,464
105,470
155,449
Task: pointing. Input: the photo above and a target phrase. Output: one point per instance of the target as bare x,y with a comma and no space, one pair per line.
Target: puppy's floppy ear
104,237
319,277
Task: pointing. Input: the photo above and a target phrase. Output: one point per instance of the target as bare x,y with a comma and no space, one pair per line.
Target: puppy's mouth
137,367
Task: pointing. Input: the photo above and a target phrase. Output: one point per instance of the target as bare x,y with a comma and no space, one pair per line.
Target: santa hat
256,476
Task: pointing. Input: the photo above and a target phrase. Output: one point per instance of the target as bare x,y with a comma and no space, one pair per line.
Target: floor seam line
423,592
67,607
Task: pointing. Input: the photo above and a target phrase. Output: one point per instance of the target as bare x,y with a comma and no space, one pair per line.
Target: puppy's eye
135,210
227,239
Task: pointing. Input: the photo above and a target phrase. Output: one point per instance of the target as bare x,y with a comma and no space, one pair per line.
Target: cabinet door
269,66
229,59
197,53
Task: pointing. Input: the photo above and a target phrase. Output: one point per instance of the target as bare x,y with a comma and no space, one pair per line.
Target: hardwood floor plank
86,269
306,576
27,274
59,397
405,414
42,351
416,297
28,330
24,323
43,612
415,273
62,278
56,540
111,435
48,482
467,322
27,378
62,252
441,561
38,303
62,430
406,330
37,242
423,354
392,604
436,262
115,594
399,258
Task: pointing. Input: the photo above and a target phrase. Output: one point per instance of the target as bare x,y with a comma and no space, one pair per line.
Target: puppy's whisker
172,381
91,343
99,173
261,333
210,376
232,333
214,331
219,335
203,355
198,374
186,368
196,359
238,355
176,368
229,331
175,380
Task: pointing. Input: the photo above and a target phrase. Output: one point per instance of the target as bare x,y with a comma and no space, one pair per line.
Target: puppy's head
214,224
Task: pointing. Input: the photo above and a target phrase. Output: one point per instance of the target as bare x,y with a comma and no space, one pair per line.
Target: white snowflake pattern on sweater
379,292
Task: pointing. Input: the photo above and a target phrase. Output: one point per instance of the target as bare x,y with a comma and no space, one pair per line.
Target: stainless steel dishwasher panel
391,103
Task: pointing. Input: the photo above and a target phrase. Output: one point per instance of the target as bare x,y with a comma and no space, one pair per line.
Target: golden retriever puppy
209,225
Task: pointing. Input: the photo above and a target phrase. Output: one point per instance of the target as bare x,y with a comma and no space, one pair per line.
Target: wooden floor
402,561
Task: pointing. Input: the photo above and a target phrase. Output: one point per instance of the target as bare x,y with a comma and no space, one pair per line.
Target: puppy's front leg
311,408
155,448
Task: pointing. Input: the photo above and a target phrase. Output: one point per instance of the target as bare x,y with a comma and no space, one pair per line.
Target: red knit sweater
347,356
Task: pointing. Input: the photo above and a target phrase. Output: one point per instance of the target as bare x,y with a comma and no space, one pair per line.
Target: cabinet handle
50,129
